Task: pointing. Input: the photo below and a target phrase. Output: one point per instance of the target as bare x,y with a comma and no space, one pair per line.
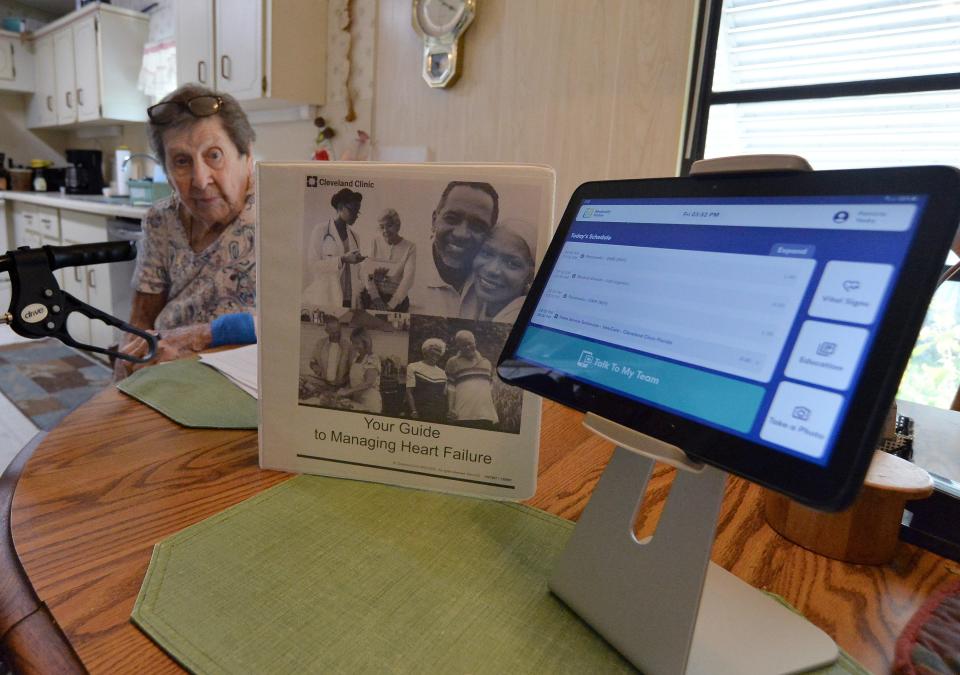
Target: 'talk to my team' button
721,400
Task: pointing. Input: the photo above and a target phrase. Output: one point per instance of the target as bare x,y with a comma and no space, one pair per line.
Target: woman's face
360,344
503,268
390,229
348,212
210,175
432,354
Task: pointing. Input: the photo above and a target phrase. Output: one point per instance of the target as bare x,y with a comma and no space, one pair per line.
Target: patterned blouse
199,286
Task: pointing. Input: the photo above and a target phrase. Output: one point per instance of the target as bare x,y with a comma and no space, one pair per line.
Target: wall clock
441,24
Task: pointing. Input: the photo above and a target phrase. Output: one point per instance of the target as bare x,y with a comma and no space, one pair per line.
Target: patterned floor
45,379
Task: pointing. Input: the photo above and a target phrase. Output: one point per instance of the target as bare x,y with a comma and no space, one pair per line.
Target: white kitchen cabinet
41,220
8,64
90,284
41,110
86,67
96,56
5,244
265,53
75,283
16,63
194,31
36,226
239,41
64,76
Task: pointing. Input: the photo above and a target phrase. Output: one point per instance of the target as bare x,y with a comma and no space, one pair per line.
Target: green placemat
327,575
193,395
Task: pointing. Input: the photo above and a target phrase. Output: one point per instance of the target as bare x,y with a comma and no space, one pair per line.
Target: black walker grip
90,254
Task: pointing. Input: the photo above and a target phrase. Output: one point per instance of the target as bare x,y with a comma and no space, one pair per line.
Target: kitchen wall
134,136
15,9
350,65
21,143
594,88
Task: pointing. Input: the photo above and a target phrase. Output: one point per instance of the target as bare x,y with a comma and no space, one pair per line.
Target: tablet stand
661,602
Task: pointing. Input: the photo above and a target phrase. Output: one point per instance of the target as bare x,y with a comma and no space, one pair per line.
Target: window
845,84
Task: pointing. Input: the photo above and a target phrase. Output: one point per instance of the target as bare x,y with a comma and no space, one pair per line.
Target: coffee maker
85,173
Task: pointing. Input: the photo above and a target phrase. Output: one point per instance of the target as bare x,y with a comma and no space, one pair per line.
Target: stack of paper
238,365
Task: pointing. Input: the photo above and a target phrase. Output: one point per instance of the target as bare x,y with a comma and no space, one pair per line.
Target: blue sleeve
233,329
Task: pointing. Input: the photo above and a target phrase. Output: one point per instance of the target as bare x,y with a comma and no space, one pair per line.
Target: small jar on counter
39,182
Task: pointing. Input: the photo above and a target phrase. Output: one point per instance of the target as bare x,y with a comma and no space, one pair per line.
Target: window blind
773,43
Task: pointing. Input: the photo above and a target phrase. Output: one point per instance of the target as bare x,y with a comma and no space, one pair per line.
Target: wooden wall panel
594,88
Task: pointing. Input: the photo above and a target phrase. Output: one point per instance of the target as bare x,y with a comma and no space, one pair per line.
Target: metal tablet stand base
661,602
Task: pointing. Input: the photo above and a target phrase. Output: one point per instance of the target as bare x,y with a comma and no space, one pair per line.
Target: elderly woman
503,270
390,268
426,391
364,386
195,275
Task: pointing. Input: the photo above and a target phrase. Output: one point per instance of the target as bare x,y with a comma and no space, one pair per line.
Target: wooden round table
116,477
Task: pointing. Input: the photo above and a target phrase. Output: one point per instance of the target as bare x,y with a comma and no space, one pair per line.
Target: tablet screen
751,315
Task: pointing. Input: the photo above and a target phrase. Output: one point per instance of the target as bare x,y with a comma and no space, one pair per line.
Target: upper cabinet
194,37
65,78
16,63
42,109
87,66
265,53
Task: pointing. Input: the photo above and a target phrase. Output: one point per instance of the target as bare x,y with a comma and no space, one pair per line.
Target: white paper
239,365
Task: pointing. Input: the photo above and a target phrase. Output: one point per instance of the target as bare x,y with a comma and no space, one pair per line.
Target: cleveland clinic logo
311,181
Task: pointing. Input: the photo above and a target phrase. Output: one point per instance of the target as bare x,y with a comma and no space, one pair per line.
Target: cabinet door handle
28,217
80,97
202,72
69,100
46,221
76,275
50,103
225,67
91,280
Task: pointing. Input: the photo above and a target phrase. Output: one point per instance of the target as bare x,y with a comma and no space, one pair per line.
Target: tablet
759,322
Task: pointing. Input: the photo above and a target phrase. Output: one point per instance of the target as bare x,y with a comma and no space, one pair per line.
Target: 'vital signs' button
851,291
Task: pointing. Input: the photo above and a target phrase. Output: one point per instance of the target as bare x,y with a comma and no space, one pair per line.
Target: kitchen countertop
97,204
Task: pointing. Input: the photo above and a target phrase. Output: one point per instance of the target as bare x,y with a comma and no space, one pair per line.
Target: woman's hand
174,343
353,257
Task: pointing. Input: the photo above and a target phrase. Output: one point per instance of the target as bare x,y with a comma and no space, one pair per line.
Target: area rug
45,379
